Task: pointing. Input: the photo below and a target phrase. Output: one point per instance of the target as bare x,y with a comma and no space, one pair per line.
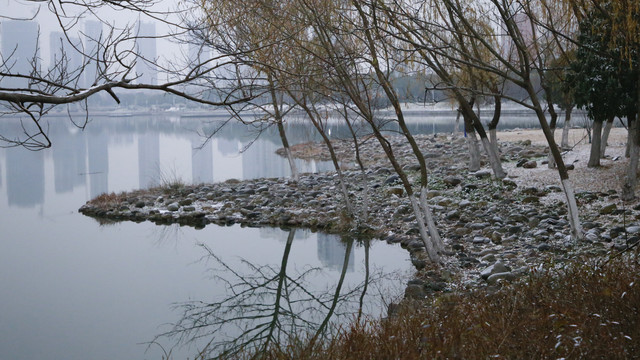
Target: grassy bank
583,309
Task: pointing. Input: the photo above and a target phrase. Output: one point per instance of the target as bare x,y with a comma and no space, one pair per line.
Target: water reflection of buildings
98,164
331,252
149,159
201,161
69,163
259,161
281,235
25,177
227,146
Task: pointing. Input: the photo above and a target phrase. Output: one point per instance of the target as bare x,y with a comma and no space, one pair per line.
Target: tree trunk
363,170
552,125
431,224
313,115
493,125
565,129
630,180
494,160
594,156
279,122
627,151
472,145
493,140
574,220
287,149
572,208
456,128
605,137
551,162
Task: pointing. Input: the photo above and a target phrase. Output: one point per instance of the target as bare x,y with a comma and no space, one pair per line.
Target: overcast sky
47,21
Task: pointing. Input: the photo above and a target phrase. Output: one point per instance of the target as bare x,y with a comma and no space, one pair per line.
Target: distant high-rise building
146,43
18,50
64,55
92,38
524,27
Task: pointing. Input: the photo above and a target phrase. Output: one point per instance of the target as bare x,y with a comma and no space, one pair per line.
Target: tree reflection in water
268,305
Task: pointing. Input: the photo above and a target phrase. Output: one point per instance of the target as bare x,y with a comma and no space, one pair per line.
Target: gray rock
489,258
481,240
496,268
608,209
591,237
173,206
453,215
392,179
482,173
494,278
415,292
530,164
633,229
186,201
452,180
544,247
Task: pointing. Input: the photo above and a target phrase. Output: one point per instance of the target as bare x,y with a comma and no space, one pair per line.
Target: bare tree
268,304
28,92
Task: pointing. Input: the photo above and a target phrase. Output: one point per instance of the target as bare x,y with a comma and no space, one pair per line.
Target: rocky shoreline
494,231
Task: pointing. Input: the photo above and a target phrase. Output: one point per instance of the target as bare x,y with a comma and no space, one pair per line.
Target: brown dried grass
577,311
107,199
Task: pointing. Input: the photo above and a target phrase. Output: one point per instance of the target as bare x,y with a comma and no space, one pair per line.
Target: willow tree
253,34
435,37
358,64
515,61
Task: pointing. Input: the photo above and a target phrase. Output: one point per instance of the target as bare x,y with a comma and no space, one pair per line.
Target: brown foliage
571,311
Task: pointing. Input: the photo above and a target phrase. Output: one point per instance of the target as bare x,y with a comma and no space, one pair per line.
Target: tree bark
493,140
363,171
431,224
281,131
565,129
627,151
572,208
472,145
594,156
605,137
630,180
551,164
493,125
551,161
494,160
456,128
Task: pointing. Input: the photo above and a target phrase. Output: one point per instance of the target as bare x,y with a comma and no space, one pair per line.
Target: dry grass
105,199
572,311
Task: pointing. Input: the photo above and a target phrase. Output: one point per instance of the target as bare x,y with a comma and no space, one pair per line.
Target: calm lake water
73,289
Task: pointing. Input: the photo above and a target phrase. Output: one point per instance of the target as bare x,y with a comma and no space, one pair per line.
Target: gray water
71,288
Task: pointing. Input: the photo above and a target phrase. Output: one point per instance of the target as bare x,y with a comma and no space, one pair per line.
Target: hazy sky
47,21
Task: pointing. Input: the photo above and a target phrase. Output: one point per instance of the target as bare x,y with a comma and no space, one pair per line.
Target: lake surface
73,289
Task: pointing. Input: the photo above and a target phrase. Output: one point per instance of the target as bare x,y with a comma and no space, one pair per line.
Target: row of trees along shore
343,58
